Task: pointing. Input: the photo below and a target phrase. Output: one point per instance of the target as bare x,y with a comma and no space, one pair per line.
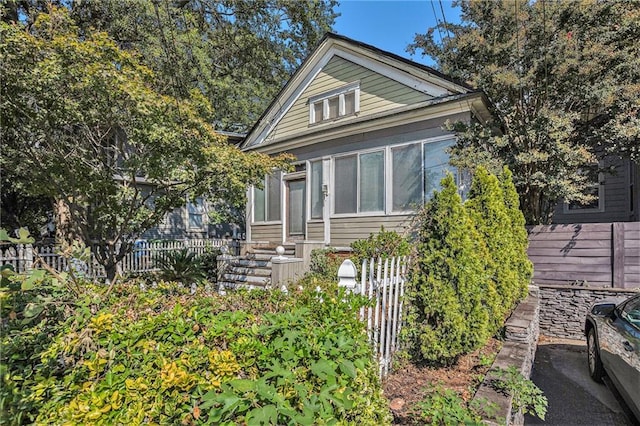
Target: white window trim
388,175
266,204
324,98
203,213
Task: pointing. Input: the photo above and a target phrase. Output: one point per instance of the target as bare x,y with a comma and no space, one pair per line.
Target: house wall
315,231
270,232
621,200
377,93
344,231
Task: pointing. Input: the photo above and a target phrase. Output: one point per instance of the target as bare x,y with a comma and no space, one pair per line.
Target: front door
296,212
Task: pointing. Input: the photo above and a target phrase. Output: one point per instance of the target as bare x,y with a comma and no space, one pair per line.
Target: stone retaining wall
519,350
563,308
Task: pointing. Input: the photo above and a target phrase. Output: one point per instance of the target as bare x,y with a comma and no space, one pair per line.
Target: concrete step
250,263
260,256
256,272
247,279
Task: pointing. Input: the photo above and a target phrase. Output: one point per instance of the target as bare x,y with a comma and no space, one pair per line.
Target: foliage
325,263
164,356
564,82
442,407
209,260
487,208
180,265
383,245
526,395
452,303
83,124
237,53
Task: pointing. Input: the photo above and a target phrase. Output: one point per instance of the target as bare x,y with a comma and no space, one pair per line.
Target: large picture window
359,183
266,202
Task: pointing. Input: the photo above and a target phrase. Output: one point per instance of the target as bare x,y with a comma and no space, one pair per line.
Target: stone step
247,263
260,256
256,272
247,279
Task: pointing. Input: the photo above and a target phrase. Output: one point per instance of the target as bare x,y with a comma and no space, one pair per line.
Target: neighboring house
366,128
192,220
616,196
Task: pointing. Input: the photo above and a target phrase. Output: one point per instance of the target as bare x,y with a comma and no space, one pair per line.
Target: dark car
613,347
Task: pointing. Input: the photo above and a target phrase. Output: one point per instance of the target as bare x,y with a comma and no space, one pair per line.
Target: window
595,190
359,183
317,197
266,202
436,165
406,177
196,211
335,104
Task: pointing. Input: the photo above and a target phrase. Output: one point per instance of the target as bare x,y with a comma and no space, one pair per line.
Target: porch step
247,279
257,272
247,263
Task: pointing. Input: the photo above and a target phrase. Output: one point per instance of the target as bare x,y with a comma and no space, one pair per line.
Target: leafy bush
209,261
169,357
181,266
526,395
450,298
442,406
384,244
325,263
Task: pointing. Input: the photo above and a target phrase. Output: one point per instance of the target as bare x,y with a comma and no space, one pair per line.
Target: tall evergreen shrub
519,239
486,207
447,294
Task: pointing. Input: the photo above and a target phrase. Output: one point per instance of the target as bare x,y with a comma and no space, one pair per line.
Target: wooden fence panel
599,254
383,282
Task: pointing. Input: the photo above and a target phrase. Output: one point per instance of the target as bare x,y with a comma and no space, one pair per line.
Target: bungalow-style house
366,128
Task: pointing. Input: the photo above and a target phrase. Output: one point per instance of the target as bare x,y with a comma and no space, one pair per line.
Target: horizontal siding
616,198
271,233
377,93
344,231
315,231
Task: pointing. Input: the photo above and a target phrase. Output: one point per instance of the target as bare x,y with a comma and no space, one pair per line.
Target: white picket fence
141,259
383,282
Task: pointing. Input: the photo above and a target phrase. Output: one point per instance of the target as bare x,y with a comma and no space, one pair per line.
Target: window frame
266,220
197,208
357,155
339,93
567,209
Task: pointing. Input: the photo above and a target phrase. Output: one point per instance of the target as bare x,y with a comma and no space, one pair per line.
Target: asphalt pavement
561,371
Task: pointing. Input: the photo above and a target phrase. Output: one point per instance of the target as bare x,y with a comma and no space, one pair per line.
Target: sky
391,24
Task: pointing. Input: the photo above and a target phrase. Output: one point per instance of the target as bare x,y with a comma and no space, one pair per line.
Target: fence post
617,255
28,257
347,276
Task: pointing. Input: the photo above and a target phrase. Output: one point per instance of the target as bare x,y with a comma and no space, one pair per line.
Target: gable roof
436,87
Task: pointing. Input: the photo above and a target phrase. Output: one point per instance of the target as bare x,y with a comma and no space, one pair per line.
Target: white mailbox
347,274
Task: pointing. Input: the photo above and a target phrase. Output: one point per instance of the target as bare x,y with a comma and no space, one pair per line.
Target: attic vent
335,104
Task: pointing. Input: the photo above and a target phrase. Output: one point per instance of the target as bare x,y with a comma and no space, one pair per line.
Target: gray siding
379,138
271,233
315,231
617,197
344,231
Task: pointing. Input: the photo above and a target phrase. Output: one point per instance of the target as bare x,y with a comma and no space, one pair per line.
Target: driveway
560,370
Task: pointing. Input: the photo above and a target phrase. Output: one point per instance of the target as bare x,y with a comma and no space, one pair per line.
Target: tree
452,302
82,125
238,53
564,81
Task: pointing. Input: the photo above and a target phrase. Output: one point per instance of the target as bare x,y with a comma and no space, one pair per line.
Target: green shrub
325,263
180,266
450,298
384,244
519,260
209,261
526,395
487,208
169,357
441,407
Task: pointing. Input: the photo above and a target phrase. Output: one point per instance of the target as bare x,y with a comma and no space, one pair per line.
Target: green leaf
267,415
32,310
348,368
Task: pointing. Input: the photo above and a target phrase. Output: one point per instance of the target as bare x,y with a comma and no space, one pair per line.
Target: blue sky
391,24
